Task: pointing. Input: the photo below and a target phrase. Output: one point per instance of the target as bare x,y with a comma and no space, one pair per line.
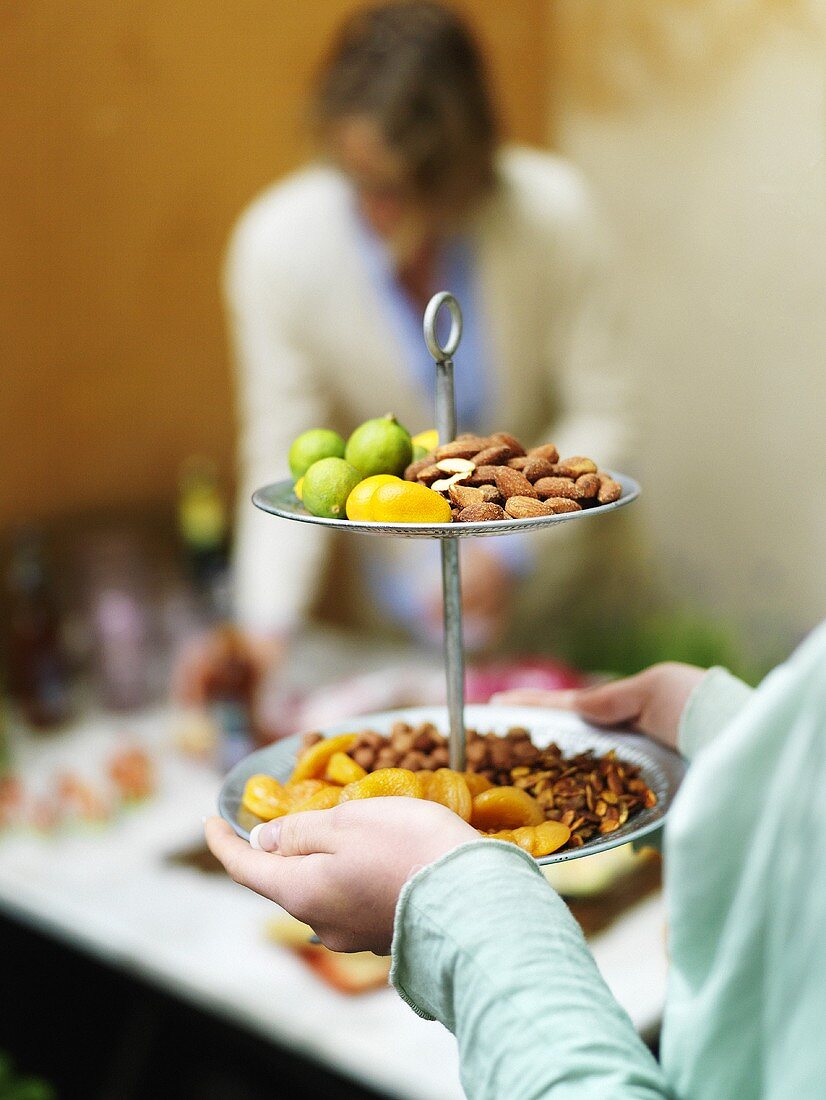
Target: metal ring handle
439,353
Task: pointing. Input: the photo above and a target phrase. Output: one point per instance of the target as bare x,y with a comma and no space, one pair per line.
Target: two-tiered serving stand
661,768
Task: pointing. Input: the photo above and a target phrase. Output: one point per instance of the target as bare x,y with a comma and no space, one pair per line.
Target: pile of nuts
589,794
416,748
495,478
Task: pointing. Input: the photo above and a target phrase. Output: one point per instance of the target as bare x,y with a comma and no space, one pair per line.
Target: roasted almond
512,483
536,468
462,448
525,507
490,494
556,505
575,467
514,444
414,469
463,496
547,451
588,486
557,487
478,513
483,475
609,490
456,465
429,474
443,485
494,455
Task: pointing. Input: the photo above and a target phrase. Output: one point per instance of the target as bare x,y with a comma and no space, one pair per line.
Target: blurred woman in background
328,274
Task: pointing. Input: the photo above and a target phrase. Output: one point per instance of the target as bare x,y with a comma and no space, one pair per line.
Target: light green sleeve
483,944
715,701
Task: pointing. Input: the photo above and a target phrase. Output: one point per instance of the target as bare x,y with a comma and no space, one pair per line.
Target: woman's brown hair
413,67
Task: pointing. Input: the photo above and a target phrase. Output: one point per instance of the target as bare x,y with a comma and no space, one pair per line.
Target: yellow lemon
428,440
298,488
408,502
358,502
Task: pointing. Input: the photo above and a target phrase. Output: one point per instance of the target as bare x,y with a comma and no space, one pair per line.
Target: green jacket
484,945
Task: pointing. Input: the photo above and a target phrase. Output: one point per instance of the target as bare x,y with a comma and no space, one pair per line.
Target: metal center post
451,576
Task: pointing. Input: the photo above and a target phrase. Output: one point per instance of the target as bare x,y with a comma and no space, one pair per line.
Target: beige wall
132,136
702,129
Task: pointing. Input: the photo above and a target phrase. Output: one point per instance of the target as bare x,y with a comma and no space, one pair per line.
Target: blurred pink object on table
413,685
533,673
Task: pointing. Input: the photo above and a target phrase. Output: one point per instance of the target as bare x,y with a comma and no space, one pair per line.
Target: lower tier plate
661,768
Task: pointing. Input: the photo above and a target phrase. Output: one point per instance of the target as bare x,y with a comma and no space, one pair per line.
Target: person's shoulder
289,227
809,659
543,209
545,189
300,209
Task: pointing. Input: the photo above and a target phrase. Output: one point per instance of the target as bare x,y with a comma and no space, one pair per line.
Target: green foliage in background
620,613
625,644
15,1087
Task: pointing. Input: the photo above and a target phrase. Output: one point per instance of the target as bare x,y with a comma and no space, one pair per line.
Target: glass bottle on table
229,692
38,667
114,564
203,528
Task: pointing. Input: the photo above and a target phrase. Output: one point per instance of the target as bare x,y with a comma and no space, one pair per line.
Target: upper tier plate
279,500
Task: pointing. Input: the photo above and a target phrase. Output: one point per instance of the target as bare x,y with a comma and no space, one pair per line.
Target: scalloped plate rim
279,500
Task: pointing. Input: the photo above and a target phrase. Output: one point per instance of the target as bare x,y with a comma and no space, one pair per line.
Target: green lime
327,485
380,446
311,446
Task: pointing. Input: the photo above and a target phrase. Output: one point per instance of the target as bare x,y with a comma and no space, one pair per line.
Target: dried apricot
300,792
536,840
343,769
549,836
313,763
265,797
450,789
525,837
324,799
383,783
505,808
477,783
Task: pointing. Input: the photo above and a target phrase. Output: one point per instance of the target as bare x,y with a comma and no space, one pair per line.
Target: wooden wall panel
134,131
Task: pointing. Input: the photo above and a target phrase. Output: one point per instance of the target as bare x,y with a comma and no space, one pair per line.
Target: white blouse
314,347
